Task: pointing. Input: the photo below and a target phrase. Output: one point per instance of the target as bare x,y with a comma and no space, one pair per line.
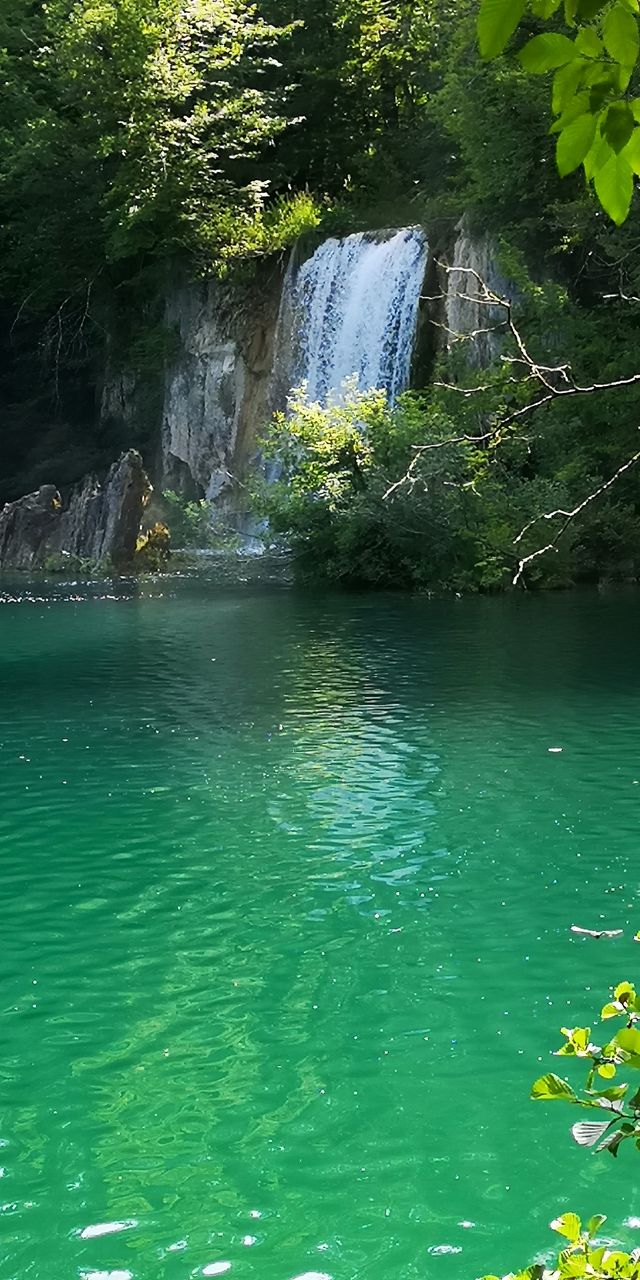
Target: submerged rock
99,523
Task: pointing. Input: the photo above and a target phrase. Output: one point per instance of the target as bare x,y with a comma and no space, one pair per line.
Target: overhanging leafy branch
597,115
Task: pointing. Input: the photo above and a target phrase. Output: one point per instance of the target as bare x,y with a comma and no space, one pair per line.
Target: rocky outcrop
27,526
470,322
218,390
99,522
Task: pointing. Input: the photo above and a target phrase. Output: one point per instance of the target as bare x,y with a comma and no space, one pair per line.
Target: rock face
218,392
467,318
99,522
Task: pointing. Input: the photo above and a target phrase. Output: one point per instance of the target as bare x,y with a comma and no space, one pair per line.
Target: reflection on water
286,893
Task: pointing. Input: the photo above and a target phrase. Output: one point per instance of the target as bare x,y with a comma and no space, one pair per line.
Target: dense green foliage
140,125
434,491
150,136
449,525
594,86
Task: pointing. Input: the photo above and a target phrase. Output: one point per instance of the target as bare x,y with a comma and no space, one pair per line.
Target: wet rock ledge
98,523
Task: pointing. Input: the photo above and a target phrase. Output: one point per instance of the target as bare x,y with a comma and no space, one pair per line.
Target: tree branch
569,516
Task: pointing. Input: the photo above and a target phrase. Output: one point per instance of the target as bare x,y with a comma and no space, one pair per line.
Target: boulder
27,527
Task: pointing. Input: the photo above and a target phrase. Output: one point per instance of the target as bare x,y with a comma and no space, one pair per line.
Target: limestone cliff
468,319
218,390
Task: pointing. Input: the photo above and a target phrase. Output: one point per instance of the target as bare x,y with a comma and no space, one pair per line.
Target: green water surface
287,884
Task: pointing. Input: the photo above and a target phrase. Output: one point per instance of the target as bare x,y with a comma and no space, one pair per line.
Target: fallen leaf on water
598,933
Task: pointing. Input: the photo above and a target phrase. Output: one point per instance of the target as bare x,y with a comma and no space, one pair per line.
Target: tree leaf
579,107
613,1141
618,126
603,72
565,83
599,155
624,992
614,1094
547,52
631,154
614,188
587,1132
588,9
611,1011
620,35
589,43
568,1225
571,1264
627,1039
596,1222
607,1070
551,1088
544,8
497,21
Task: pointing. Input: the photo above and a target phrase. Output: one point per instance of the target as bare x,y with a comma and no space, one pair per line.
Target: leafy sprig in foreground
583,1256
617,1108
593,99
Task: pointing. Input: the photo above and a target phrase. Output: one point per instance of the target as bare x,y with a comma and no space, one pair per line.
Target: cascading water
352,310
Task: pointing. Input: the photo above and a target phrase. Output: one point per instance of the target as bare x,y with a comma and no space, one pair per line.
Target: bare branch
409,475
25,303
568,517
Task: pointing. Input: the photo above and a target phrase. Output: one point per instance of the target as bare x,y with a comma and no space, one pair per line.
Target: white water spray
352,309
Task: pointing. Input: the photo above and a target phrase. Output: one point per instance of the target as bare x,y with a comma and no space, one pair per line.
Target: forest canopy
144,138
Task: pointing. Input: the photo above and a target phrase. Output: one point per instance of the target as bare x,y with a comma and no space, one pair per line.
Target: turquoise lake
287,883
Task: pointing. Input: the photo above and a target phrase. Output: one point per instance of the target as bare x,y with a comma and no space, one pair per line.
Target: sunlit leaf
497,21
614,188
611,1010
551,1088
598,156
607,1070
628,1038
624,992
613,1094
588,43
547,52
596,1222
569,1225
620,35
565,83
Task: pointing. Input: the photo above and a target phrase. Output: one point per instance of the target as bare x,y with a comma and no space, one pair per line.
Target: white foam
105,1229
354,309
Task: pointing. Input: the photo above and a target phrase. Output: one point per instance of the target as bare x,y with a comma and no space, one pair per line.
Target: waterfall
352,309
